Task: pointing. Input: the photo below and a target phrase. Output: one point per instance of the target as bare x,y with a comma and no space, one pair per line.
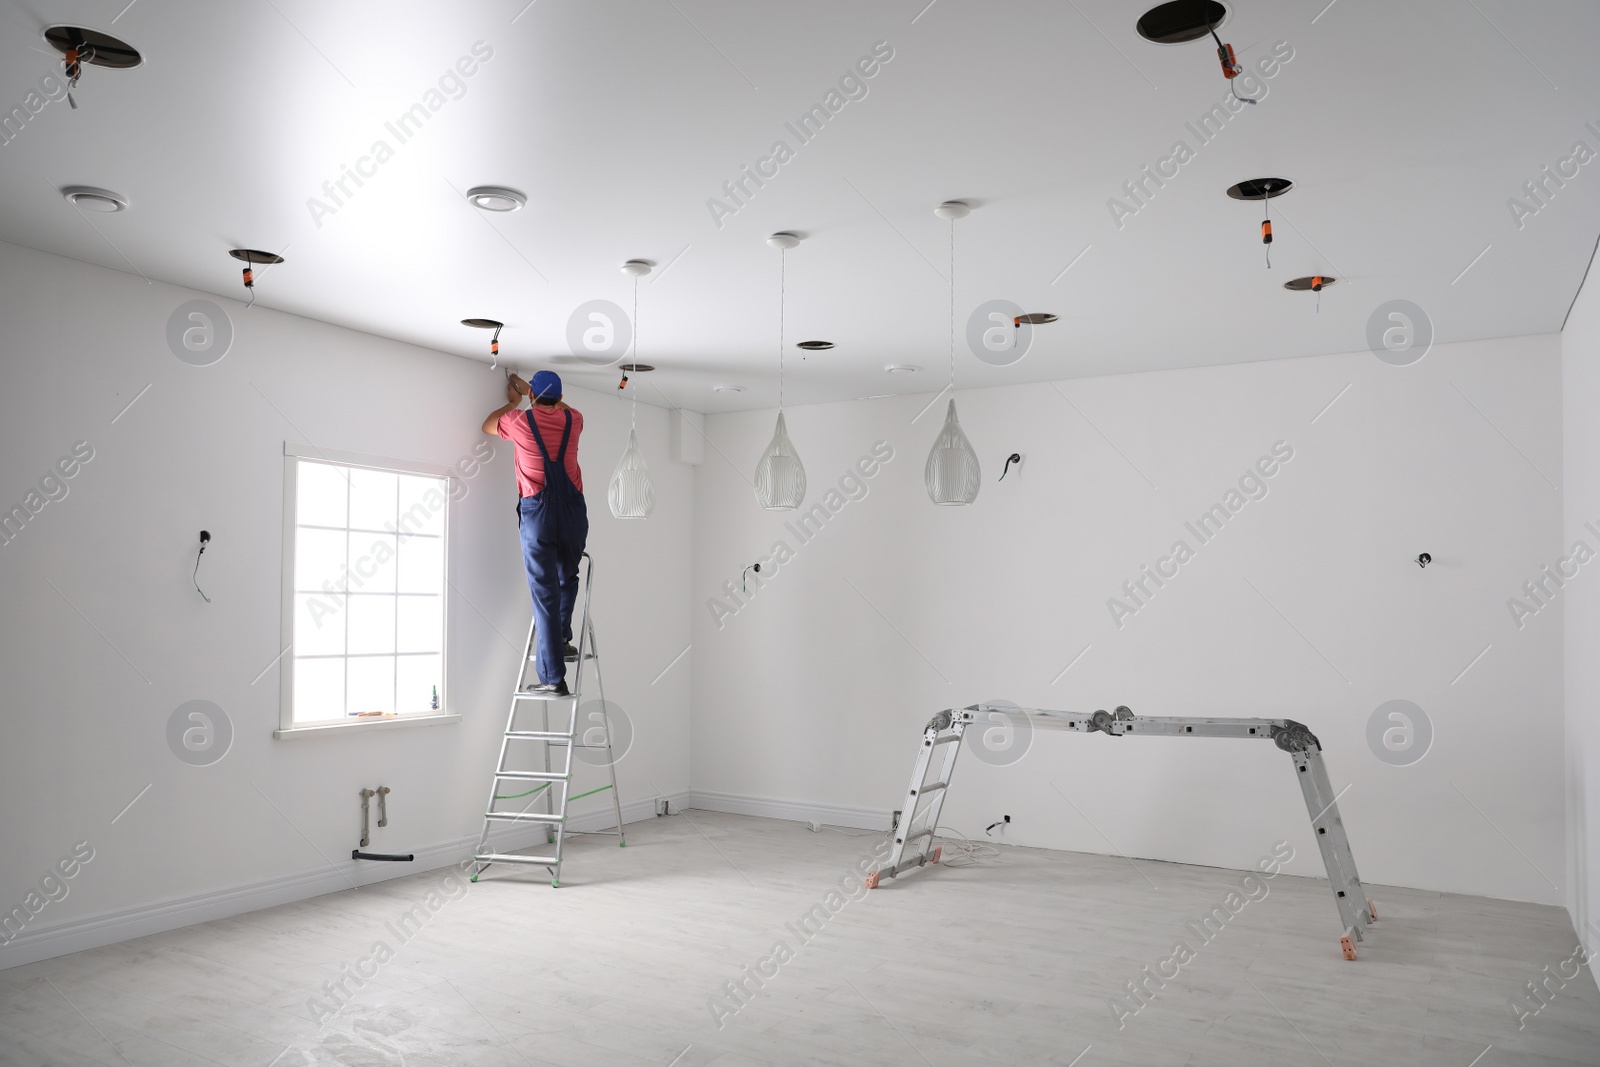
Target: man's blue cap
546,385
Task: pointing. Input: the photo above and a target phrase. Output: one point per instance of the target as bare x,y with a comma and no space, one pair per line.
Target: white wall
816,692
88,685
1580,381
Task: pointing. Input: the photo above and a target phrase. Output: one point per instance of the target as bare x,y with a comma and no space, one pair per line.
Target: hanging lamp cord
633,423
783,264
952,308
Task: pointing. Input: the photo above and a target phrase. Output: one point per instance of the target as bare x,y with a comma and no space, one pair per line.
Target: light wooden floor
1011,962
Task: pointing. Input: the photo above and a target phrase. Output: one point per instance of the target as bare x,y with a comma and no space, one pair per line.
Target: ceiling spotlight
727,388
953,209
814,346
91,199
637,268
784,239
901,368
496,198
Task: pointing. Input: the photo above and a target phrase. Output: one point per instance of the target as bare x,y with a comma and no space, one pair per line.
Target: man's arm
516,388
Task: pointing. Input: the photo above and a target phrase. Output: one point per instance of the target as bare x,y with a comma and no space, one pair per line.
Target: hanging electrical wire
250,284
1266,221
1231,67
72,67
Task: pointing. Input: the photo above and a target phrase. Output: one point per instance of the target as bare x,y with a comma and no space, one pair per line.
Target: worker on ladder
551,512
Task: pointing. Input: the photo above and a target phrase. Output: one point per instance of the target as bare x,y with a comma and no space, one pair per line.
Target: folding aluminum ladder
553,783
926,798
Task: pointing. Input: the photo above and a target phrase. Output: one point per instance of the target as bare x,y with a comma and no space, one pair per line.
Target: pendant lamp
952,474
631,494
780,476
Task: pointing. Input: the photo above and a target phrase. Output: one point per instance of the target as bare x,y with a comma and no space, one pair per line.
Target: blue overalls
555,526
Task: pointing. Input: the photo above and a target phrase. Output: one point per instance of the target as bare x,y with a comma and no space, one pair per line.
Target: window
365,608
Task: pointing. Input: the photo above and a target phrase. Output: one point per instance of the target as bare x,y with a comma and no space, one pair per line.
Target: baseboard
108,928
793,810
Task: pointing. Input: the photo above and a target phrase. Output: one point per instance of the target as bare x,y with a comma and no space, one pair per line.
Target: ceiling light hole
1035,318
253,256
1260,188
483,324
1181,21
1303,285
93,47
89,198
496,198
638,368
814,346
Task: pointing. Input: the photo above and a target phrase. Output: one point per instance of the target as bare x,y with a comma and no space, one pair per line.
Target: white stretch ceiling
1407,128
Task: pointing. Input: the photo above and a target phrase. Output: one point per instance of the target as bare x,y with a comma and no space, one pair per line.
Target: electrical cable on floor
965,852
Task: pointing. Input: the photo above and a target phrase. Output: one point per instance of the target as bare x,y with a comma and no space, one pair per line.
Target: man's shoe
550,689
569,652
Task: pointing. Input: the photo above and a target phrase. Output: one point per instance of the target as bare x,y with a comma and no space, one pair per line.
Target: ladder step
552,736
543,696
934,788
532,776
512,857
523,816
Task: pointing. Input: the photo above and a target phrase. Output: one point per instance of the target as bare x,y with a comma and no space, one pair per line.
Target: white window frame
292,455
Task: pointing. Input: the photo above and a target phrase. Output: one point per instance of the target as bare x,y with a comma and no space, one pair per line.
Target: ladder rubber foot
555,883
872,880
1372,912
934,858
1348,947
473,879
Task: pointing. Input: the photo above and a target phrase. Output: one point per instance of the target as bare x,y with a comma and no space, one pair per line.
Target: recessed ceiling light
727,388
93,47
637,268
91,199
901,368
814,346
253,256
1035,318
1181,21
1300,285
1260,188
495,198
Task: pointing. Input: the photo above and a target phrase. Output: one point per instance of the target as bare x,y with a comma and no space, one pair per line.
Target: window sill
333,728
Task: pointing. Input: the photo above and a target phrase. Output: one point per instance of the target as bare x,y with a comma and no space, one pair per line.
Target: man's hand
516,389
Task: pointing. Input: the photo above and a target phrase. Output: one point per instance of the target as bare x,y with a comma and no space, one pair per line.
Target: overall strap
538,440
566,432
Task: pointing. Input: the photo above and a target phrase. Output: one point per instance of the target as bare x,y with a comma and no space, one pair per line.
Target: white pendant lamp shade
780,477
952,473
632,494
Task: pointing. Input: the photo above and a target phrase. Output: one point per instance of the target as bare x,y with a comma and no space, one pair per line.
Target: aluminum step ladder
919,821
551,787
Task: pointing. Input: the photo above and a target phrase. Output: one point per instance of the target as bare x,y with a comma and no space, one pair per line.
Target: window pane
372,562
318,689
371,627
318,624
422,504
319,557
371,684
419,676
320,494
421,621
372,499
422,565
